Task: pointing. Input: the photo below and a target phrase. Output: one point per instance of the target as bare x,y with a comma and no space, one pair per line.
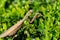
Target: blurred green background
43,28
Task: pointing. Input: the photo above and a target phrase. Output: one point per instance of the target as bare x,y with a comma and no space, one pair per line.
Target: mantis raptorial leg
35,16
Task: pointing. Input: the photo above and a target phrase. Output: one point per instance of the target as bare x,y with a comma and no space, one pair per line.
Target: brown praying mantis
11,31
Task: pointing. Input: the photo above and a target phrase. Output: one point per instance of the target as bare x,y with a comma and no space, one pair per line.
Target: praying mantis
11,31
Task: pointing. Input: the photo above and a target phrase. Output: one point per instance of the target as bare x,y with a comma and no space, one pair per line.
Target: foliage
43,28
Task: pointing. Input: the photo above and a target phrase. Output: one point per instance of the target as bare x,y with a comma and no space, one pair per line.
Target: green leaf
4,26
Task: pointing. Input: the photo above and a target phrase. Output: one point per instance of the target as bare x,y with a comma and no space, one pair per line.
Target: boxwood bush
46,27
